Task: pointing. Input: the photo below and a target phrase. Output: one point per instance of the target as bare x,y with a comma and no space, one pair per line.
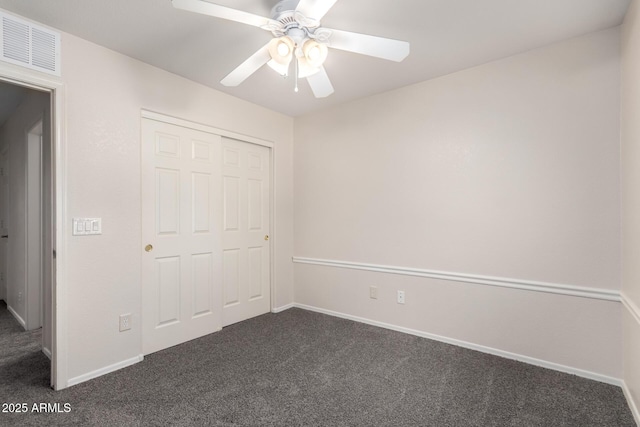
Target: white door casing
182,273
245,231
57,302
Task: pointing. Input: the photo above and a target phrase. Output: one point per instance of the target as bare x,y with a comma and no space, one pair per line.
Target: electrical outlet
125,322
400,297
373,292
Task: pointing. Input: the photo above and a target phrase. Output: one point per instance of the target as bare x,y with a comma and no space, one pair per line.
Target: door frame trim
59,333
160,117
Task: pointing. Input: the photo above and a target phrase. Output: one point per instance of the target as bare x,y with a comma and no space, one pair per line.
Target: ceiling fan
295,25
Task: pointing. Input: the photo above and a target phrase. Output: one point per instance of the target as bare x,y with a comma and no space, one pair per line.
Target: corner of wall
630,162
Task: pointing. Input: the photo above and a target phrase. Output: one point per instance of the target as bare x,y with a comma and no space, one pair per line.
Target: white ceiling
445,36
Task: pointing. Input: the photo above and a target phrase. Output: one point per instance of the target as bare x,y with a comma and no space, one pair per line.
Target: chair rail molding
503,282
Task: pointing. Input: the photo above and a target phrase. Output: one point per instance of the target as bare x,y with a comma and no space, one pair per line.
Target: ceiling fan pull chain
296,87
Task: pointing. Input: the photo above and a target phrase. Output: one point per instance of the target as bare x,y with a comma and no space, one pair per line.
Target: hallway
22,363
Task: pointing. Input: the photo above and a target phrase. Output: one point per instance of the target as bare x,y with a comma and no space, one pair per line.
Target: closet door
181,256
246,251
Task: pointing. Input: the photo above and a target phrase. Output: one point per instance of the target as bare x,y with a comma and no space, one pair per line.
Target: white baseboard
632,404
103,371
283,308
497,352
46,352
17,316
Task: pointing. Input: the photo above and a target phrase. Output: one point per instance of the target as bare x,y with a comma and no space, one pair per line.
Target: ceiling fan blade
315,9
392,50
223,12
320,84
248,67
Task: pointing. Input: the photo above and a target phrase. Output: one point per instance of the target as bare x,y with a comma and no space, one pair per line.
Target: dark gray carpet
300,368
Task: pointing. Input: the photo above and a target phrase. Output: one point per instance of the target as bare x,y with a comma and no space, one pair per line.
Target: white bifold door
203,204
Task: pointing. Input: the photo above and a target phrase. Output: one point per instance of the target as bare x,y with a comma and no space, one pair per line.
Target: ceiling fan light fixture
295,24
281,50
315,53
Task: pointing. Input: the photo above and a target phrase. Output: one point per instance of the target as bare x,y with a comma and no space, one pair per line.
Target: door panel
202,265
255,273
255,207
231,195
231,265
246,195
201,202
168,201
168,287
181,212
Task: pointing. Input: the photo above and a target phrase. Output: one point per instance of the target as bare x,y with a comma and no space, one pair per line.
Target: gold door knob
148,248
266,237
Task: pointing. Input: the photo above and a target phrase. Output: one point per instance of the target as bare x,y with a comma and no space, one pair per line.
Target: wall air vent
29,45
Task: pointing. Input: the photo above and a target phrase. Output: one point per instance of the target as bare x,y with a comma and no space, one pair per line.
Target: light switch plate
87,226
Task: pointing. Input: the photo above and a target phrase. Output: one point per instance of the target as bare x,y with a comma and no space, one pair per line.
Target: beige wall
105,92
630,159
510,169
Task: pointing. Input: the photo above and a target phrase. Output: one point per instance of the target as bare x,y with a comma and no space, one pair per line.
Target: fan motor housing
284,9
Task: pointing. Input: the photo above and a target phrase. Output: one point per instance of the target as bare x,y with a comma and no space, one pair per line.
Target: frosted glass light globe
283,49
314,53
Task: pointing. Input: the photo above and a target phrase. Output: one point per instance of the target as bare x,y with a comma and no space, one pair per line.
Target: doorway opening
27,218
